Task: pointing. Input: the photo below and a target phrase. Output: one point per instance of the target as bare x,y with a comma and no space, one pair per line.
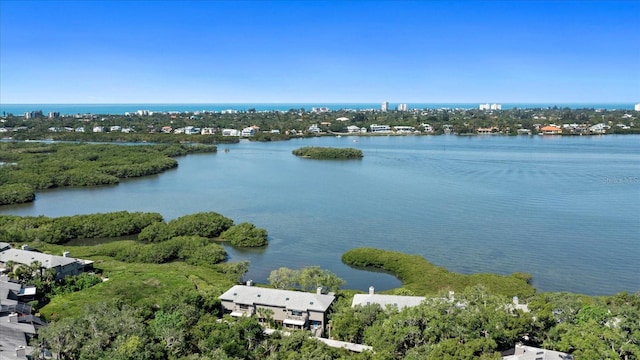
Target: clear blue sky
319,51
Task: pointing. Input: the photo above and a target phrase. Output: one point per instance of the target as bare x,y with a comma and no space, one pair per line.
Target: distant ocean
119,109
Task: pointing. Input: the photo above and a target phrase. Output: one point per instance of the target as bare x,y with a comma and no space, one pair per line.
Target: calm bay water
564,209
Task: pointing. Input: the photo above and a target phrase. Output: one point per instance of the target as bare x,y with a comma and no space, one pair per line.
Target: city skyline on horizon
220,52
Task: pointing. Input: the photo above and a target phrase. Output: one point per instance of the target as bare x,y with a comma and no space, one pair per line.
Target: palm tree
36,267
10,265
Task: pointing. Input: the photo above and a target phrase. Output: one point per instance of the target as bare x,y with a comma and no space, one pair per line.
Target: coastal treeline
119,137
16,194
419,276
149,228
59,230
295,122
29,167
161,302
328,153
474,324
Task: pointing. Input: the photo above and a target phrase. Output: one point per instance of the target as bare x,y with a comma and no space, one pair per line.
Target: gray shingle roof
26,257
383,300
294,300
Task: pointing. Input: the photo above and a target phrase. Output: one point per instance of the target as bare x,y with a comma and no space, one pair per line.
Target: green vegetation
422,277
478,324
245,235
326,153
16,194
207,224
159,300
119,137
296,123
307,279
62,229
39,166
194,250
184,328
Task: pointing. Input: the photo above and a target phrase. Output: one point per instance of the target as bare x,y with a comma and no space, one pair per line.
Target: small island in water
328,153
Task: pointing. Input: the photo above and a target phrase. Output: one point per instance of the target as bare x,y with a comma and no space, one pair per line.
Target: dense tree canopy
326,153
16,229
39,166
307,279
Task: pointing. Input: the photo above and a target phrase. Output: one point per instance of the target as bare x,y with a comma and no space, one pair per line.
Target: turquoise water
565,209
115,109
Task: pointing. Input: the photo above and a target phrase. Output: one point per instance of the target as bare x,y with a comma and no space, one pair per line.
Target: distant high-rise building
33,114
402,107
637,107
53,114
385,106
490,107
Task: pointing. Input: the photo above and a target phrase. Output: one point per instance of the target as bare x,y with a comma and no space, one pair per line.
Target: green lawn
138,284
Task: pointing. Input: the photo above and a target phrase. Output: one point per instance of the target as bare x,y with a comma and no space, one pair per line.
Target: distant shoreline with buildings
121,109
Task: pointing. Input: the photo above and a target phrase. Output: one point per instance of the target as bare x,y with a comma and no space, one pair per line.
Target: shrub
16,194
207,224
245,235
326,153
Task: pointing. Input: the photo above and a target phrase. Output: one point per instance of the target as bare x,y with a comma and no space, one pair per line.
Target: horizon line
318,102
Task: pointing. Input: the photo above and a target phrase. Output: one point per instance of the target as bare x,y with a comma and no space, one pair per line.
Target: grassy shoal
424,278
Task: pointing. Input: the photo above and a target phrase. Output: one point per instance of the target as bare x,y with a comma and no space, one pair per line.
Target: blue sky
319,51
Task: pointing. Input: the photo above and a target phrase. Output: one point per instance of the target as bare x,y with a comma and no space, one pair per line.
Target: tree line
149,228
148,128
29,167
327,153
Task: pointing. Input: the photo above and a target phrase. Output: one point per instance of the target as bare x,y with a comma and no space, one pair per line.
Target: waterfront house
207,131
379,129
427,128
599,128
404,129
230,132
191,130
249,131
314,129
352,129
291,309
487,131
551,130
